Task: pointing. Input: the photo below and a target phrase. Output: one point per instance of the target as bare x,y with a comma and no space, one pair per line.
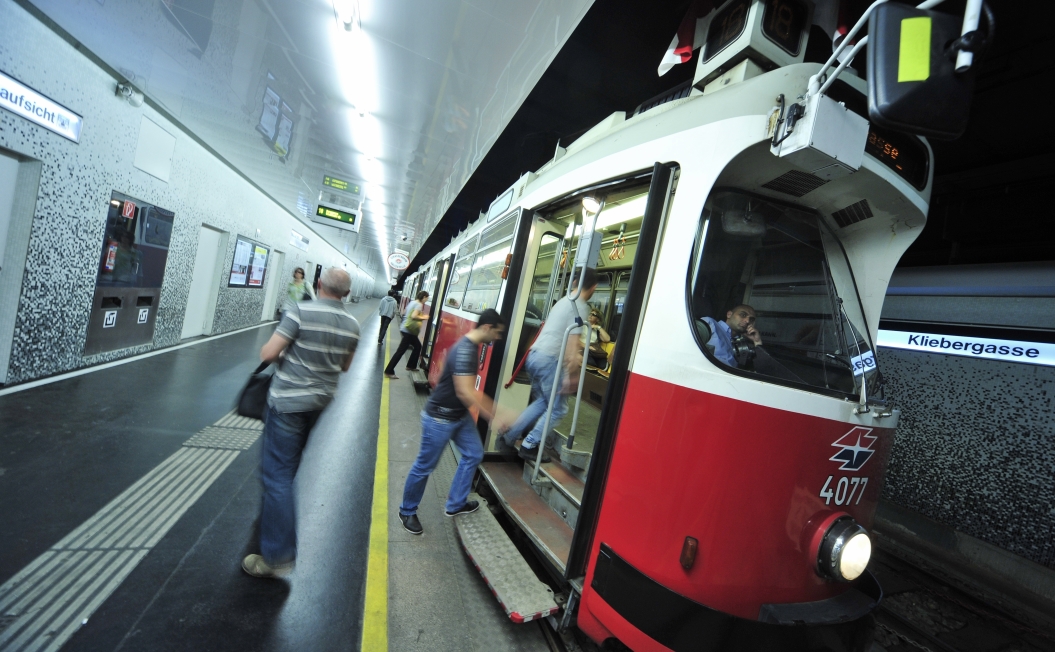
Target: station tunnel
344,324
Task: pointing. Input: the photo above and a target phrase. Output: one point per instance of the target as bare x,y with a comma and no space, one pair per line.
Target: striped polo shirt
321,335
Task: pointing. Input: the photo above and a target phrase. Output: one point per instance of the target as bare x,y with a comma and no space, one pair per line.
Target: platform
130,495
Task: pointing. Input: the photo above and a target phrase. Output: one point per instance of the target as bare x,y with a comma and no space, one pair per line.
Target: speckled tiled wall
76,183
975,447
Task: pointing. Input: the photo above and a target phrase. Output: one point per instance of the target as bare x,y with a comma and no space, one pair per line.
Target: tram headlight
844,551
591,204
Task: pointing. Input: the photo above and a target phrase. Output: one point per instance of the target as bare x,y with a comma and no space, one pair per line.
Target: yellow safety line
375,607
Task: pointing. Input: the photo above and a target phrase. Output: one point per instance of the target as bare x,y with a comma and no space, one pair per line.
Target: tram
693,503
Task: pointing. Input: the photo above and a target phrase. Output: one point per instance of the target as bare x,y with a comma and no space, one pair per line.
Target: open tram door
556,504
436,286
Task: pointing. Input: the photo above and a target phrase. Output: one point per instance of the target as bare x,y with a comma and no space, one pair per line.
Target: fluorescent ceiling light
612,215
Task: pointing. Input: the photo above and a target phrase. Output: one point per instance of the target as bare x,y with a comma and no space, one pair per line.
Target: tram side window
602,296
463,264
485,279
772,294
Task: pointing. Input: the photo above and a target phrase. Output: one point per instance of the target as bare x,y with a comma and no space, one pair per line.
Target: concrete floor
437,599
69,448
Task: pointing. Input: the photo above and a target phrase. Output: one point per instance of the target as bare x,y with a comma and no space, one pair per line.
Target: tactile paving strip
232,420
502,566
237,439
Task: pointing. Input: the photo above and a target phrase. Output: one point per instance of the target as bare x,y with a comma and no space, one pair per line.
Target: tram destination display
249,265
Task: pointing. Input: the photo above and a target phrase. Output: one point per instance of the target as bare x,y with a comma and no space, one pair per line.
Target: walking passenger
410,330
447,417
297,290
319,339
551,354
387,310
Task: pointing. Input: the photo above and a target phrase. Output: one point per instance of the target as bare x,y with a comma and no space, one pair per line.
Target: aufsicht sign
22,100
1041,353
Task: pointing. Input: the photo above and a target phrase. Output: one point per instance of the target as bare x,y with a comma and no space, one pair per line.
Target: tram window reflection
782,266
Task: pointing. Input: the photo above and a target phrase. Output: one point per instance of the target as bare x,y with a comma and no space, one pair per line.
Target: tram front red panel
744,480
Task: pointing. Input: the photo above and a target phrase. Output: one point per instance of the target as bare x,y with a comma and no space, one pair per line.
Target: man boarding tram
550,355
447,417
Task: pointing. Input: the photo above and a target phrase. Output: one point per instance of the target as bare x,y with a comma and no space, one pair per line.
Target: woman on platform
410,330
298,290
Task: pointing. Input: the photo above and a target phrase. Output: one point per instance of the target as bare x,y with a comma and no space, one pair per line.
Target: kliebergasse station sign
972,347
22,100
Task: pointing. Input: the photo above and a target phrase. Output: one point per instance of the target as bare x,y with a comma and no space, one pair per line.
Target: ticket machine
131,268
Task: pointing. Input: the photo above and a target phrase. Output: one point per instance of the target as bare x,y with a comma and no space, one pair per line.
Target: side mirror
913,85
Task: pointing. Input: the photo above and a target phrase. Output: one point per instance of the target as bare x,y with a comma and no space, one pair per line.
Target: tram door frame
518,294
642,272
432,326
527,239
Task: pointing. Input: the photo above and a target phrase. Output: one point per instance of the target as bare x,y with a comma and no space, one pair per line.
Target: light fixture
131,94
591,204
347,12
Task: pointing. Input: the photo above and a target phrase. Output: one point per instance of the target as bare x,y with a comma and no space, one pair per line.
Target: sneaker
467,508
411,524
257,567
530,454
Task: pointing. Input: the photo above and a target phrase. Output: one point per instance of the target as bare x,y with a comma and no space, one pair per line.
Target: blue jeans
435,433
285,434
542,368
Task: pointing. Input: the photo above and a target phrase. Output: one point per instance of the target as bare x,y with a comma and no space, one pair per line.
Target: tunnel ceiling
401,97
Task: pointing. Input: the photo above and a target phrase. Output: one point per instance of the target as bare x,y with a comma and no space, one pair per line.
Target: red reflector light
688,552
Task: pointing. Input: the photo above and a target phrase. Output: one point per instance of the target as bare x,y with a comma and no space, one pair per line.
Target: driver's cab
784,262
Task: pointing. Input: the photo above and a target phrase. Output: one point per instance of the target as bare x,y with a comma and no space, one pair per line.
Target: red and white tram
696,504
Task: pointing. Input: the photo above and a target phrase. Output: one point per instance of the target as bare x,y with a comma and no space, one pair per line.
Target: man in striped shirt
313,344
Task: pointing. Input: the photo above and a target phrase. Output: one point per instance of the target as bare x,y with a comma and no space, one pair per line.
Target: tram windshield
772,294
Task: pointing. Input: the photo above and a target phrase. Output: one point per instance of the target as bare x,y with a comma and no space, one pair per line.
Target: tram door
436,287
561,520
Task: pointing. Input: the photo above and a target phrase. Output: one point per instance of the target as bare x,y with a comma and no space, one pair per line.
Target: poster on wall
257,266
243,250
269,116
285,132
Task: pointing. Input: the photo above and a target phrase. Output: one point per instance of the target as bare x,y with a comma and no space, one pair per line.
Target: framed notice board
250,264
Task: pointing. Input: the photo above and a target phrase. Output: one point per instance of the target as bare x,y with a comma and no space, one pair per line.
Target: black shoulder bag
252,402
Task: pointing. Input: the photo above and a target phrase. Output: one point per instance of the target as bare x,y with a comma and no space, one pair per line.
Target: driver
740,321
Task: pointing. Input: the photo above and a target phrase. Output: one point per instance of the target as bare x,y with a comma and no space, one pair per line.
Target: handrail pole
589,337
573,297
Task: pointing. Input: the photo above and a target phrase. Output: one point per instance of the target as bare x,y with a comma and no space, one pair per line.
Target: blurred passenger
387,310
596,355
447,417
313,344
298,290
599,332
551,354
410,330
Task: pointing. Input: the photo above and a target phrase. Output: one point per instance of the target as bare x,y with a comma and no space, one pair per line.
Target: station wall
76,181
975,447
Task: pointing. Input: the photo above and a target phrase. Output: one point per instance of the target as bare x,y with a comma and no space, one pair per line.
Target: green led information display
334,214
340,184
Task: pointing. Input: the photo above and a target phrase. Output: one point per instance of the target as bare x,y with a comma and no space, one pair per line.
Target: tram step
418,377
546,529
507,574
567,481
562,501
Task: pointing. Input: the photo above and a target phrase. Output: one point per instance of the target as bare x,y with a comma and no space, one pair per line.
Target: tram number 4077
844,491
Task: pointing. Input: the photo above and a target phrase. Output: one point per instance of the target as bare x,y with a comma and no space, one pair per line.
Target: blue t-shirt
462,360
